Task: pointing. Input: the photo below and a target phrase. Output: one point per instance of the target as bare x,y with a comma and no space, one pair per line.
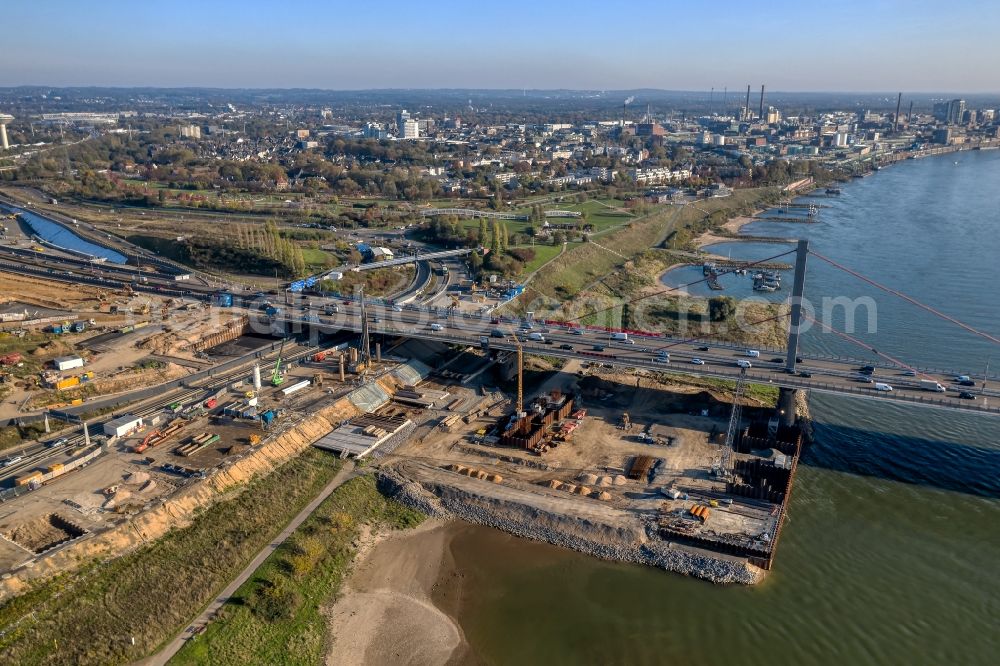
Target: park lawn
543,255
91,615
276,617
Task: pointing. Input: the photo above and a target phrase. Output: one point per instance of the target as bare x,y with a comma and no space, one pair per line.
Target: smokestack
256,377
623,114
748,102
760,114
909,115
895,120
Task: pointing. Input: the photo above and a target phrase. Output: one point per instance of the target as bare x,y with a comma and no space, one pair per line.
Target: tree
484,233
721,308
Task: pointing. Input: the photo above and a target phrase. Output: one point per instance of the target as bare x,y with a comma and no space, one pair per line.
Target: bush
275,600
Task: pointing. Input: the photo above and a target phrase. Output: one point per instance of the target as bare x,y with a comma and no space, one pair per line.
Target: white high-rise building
409,130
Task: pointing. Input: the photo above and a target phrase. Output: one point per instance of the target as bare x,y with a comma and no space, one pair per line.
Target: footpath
346,473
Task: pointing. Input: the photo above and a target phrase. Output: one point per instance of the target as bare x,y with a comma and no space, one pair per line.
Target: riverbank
397,605
599,531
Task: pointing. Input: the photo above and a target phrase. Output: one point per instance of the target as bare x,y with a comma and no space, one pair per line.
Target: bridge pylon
786,397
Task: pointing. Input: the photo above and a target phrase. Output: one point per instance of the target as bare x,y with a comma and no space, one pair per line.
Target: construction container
66,383
79,327
25,479
87,376
211,403
55,468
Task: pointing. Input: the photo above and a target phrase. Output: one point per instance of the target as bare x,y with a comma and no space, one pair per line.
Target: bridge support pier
786,405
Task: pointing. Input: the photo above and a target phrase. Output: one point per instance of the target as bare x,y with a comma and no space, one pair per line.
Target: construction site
622,464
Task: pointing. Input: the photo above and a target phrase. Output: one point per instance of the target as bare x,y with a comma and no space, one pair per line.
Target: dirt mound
620,480
604,481
137,478
589,479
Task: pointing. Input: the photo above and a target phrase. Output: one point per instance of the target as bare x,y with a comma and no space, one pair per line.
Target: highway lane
833,375
822,375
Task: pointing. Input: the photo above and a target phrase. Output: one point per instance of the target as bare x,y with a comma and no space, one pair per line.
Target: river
891,554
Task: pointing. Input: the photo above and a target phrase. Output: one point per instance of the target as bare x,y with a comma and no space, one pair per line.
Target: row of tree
267,241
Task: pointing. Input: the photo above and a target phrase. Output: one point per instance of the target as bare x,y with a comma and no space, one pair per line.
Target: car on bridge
965,395
567,347
743,363
697,361
966,382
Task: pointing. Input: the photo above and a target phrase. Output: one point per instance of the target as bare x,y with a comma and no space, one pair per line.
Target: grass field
543,255
314,257
91,616
567,275
276,616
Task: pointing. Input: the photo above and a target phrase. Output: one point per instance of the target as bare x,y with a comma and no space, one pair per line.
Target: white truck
619,337
879,386
931,385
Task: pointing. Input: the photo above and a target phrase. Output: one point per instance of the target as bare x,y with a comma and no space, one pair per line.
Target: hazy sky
849,45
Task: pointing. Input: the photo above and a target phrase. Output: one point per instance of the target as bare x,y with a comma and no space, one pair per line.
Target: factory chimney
760,113
748,103
895,120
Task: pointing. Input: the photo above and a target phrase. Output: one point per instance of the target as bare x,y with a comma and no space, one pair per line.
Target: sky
848,45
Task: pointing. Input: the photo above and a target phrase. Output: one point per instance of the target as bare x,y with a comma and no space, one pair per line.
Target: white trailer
67,362
931,385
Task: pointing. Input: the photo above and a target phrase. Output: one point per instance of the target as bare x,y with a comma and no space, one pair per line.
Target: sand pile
620,480
589,479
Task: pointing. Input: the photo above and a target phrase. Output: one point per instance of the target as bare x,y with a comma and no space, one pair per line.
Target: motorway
823,375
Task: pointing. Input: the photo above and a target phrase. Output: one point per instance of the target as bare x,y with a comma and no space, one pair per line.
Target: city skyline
919,47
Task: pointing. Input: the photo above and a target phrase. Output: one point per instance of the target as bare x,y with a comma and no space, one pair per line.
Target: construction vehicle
153,437
276,377
254,439
626,422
